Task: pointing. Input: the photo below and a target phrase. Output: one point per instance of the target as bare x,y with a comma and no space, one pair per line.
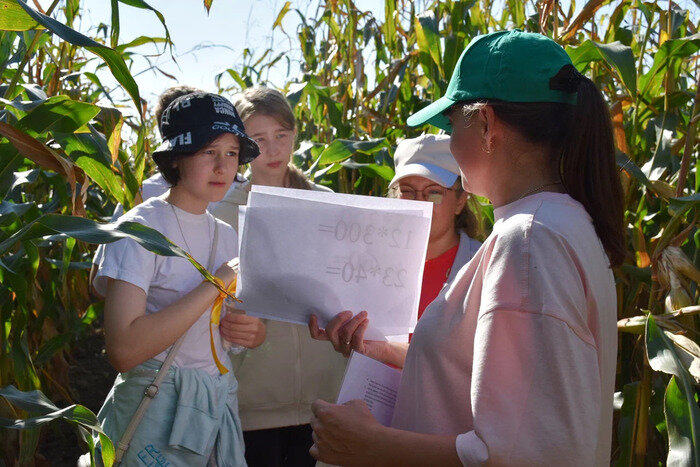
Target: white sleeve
100,251
128,261
535,393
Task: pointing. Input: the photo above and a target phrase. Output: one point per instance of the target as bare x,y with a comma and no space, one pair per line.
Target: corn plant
644,57
63,165
360,76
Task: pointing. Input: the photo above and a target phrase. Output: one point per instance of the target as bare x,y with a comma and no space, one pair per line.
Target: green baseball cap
512,66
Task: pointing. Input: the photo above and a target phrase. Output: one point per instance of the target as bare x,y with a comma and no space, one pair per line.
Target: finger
225,318
314,451
358,337
235,318
239,336
239,312
240,326
319,441
248,327
315,331
318,406
314,422
356,404
334,326
348,330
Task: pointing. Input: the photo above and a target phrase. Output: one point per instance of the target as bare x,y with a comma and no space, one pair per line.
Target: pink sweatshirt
517,355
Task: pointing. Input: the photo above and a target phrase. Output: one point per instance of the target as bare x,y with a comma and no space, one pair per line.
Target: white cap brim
432,172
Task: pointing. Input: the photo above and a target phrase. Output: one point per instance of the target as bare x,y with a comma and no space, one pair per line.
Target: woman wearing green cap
514,361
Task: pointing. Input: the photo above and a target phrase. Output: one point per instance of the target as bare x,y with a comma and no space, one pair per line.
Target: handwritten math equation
357,271
361,267
368,234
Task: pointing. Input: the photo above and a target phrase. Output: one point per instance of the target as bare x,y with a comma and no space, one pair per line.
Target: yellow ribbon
216,317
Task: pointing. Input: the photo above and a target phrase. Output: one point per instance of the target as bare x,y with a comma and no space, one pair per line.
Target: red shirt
435,274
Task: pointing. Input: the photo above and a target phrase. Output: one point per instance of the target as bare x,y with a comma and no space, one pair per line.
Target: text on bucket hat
427,156
512,66
192,121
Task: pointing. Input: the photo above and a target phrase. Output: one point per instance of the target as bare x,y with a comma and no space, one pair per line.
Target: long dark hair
579,139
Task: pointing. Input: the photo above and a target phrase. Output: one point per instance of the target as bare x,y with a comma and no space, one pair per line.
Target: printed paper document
373,382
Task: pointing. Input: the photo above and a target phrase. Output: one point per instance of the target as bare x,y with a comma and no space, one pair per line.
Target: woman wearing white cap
426,171
514,362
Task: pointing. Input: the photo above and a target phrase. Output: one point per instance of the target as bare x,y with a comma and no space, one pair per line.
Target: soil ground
91,377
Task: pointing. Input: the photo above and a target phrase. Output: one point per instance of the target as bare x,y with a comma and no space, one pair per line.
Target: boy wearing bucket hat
153,301
514,362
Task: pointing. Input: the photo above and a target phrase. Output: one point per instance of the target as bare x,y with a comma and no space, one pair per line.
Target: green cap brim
433,114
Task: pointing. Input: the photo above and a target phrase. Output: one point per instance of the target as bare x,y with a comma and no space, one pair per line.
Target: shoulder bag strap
152,389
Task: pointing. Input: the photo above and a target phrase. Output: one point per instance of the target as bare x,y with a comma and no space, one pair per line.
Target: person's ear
489,128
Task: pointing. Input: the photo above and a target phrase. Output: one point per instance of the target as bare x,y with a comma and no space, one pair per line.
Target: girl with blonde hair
279,380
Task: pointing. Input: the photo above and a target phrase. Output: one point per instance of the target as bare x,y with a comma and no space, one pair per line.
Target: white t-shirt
152,187
517,356
165,279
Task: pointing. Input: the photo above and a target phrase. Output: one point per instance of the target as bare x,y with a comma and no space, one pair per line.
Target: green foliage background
69,148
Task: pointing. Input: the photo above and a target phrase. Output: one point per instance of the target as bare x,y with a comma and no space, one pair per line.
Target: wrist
380,438
212,286
384,352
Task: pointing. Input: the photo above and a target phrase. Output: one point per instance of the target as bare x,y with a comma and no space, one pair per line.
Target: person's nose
275,148
264,147
219,163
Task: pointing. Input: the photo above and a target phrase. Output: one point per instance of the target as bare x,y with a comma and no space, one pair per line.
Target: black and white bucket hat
193,120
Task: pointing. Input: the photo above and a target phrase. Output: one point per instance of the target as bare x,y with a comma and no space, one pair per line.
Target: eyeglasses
433,194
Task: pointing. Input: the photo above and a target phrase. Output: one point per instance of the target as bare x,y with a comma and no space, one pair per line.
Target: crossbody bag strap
152,389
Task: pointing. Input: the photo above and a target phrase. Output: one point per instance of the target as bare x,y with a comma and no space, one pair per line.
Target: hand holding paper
307,253
347,333
343,434
373,382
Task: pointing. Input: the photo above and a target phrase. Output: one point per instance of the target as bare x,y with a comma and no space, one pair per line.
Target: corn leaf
90,231
625,427
145,6
663,357
112,58
14,18
58,113
428,38
280,16
680,431
44,411
616,55
668,51
342,149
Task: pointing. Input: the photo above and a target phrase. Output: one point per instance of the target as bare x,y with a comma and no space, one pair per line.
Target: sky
205,45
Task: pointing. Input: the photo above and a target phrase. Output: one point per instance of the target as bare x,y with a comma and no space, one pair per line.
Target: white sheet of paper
301,256
241,224
373,382
424,209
